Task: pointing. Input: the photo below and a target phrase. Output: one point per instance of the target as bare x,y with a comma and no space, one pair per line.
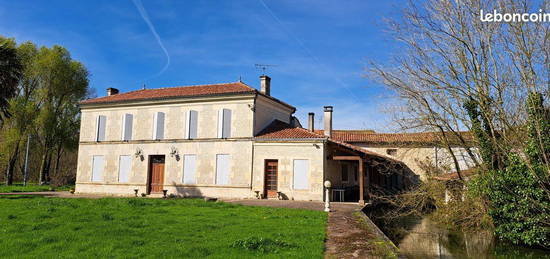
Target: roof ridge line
182,86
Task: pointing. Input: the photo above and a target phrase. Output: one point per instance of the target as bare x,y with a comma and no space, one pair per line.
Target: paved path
348,236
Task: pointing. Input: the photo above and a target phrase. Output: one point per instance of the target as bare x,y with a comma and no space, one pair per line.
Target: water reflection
422,238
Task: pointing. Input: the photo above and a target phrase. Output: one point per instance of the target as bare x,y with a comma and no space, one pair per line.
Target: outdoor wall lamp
139,153
175,153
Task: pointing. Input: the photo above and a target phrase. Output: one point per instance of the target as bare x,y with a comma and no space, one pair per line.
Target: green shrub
518,204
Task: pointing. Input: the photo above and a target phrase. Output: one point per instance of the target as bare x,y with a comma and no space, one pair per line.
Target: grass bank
136,227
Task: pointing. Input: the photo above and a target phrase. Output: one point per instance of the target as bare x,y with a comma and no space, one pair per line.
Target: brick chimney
265,85
111,91
311,121
328,121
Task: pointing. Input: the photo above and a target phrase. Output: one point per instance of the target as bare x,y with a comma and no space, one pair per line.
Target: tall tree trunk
42,170
11,165
58,157
48,168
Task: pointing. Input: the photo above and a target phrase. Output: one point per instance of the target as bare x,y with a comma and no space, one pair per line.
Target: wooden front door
270,184
156,174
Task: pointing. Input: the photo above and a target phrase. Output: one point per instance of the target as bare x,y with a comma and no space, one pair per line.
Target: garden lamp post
327,195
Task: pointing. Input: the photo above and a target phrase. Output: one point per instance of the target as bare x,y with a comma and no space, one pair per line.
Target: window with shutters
189,169
124,167
224,123
158,126
301,174
127,124
98,163
222,169
100,128
191,124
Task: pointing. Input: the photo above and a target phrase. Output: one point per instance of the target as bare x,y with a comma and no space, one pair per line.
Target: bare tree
451,57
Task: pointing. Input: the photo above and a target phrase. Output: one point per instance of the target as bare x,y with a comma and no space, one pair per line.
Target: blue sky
320,47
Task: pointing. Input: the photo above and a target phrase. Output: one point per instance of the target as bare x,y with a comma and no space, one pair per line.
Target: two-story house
220,140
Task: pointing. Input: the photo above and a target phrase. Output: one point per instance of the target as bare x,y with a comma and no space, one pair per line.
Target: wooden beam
356,158
345,149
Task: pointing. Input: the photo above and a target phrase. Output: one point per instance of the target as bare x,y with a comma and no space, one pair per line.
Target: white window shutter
220,123
123,130
158,125
222,169
189,169
186,124
154,126
98,163
124,167
127,124
301,170
101,120
226,132
193,124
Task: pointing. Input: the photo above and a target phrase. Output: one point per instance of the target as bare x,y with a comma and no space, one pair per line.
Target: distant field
138,227
32,187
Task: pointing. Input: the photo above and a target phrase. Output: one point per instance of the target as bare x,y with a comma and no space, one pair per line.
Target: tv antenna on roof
263,67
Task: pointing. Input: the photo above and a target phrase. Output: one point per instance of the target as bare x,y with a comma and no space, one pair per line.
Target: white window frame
124,129
188,124
98,128
224,127
307,174
156,126
98,176
186,169
120,168
218,170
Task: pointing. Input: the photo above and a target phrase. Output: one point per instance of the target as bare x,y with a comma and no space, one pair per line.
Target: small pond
420,237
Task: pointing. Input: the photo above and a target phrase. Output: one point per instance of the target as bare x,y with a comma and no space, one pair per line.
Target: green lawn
32,187
138,227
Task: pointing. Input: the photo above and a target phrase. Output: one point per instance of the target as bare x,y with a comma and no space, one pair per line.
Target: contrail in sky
145,17
308,52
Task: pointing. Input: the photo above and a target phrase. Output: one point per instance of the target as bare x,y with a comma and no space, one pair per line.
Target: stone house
415,150
220,140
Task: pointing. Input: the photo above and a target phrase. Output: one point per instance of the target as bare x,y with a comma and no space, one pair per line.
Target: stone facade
414,157
249,115
285,154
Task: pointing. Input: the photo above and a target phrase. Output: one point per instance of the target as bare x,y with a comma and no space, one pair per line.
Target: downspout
252,142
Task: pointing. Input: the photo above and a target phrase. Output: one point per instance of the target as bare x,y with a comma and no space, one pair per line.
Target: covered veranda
356,174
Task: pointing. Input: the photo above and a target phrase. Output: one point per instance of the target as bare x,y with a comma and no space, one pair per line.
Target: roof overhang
171,100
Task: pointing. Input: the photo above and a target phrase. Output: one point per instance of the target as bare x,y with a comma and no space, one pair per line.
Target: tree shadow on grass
17,197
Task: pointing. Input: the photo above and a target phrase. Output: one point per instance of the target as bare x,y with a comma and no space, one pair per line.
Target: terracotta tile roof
369,136
281,130
175,92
